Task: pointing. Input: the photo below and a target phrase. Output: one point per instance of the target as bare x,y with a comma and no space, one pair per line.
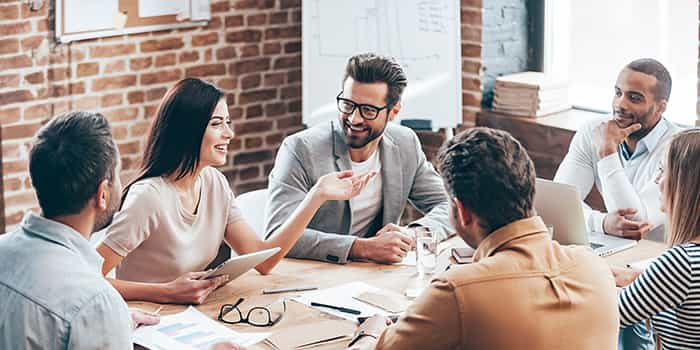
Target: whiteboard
423,35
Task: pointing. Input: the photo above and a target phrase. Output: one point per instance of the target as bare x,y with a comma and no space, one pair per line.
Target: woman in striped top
668,291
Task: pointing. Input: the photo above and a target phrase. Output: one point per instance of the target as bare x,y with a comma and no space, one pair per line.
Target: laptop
559,205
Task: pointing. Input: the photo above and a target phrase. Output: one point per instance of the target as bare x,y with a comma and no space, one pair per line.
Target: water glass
426,251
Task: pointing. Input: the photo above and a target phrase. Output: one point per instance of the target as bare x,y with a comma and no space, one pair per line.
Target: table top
295,272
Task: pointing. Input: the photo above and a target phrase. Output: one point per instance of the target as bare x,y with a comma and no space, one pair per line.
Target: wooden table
295,272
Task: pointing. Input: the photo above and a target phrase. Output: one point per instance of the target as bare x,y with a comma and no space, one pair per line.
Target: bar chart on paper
189,330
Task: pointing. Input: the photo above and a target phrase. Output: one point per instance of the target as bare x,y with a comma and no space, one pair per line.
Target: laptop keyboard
595,246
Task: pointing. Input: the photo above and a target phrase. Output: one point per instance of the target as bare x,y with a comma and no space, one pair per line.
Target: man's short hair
490,173
372,68
69,158
650,66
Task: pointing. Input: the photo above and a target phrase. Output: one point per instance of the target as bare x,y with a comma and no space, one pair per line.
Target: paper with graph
190,330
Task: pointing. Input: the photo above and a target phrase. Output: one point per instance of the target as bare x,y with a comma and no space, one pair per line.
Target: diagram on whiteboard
423,35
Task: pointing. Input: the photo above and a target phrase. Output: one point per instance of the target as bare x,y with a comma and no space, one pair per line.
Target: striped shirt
668,292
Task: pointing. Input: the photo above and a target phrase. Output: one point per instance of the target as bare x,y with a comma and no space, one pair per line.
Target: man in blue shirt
52,293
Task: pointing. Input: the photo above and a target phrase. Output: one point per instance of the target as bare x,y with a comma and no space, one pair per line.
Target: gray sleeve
287,186
102,323
429,197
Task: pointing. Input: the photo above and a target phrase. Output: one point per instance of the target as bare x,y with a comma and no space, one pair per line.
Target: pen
339,308
286,290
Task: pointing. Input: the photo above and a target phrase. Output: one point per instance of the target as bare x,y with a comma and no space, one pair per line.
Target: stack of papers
530,94
190,330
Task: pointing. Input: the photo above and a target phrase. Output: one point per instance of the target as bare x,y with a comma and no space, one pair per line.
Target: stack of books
530,94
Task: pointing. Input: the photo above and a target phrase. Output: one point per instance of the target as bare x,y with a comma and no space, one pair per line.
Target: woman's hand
189,289
342,185
624,276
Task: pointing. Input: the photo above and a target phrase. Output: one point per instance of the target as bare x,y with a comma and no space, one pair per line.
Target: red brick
115,67
286,4
250,66
227,83
294,106
87,103
77,54
42,111
272,48
112,50
122,114
225,53
287,62
19,61
253,111
214,23
244,36
57,73
155,94
15,28
292,47
168,59
19,131
278,18
250,81
9,12
471,17
234,21
205,39
288,122
120,82
469,99
236,144
253,172
10,115
12,150
120,132
294,76
274,79
150,111
275,109
471,67
206,70
274,139
246,4
256,20
135,97
192,56
471,34
9,46
235,112
296,16
87,69
15,96
291,92
252,157
139,129
111,100
162,44
43,25
161,77
28,12
12,185
471,50
282,33
126,148
208,55
32,42
219,7
140,63
250,50
9,81
471,84
257,96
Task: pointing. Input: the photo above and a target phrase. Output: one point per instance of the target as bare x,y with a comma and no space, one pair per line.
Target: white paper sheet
342,295
150,8
84,16
191,330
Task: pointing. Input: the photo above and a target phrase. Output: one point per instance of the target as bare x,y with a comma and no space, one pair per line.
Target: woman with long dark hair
668,291
179,209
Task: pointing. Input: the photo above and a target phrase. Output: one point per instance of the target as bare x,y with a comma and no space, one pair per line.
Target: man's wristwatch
361,334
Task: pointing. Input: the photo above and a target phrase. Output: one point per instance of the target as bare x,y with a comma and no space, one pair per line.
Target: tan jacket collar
507,233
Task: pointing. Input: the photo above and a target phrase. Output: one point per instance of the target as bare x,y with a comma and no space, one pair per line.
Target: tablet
239,265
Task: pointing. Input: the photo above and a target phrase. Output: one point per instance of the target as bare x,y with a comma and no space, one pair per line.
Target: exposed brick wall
251,49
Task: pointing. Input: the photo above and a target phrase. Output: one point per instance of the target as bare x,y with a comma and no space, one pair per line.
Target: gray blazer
406,175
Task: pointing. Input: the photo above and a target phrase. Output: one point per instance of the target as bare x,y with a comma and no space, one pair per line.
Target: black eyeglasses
259,316
368,112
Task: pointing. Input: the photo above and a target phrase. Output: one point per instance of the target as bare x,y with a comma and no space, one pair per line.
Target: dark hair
489,172
69,158
175,137
372,68
650,66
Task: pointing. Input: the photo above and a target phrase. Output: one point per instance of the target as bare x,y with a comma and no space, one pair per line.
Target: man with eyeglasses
362,139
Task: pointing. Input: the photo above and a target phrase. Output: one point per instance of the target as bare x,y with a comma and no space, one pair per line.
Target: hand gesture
342,185
142,318
189,289
618,223
608,135
389,246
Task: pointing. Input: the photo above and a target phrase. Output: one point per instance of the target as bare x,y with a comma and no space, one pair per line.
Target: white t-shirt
367,204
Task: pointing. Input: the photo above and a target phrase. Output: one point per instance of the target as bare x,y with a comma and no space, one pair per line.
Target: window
589,41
